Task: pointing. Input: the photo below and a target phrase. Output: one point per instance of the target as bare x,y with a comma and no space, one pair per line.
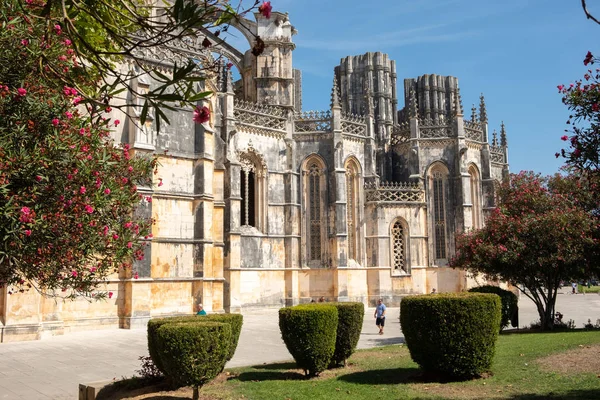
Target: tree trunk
196,395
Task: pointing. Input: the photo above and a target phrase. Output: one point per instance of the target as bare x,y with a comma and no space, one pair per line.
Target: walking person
380,315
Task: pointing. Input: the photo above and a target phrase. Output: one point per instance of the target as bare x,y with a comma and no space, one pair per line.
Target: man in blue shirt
380,315
201,310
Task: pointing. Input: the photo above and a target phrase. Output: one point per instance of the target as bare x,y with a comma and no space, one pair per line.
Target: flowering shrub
538,237
67,193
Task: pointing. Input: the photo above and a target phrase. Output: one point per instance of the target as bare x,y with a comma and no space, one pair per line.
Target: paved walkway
53,368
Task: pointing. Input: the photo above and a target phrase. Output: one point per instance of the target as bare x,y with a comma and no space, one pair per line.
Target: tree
67,193
583,101
538,237
105,32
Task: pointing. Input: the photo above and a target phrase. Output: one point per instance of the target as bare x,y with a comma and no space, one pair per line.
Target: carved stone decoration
482,110
398,247
392,192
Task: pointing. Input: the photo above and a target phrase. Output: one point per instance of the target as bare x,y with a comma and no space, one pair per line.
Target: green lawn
389,373
591,289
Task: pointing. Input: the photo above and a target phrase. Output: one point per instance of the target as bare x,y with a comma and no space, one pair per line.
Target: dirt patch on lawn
584,359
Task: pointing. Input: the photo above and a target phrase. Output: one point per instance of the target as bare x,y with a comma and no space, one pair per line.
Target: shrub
452,334
235,320
153,326
193,353
510,304
309,332
350,321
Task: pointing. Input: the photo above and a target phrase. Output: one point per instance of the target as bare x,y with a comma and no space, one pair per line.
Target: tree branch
587,13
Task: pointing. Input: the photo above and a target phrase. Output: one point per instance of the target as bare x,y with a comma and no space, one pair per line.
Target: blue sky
515,52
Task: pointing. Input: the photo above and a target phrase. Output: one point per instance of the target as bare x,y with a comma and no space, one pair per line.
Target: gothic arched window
475,196
314,210
252,179
352,209
438,181
399,237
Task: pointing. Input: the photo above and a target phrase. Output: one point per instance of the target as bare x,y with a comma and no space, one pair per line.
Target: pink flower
105,230
560,87
25,42
77,100
130,168
117,122
57,29
129,244
55,121
38,178
576,152
201,114
149,199
229,65
27,232
128,224
21,91
115,236
108,109
564,138
136,276
110,295
67,42
589,58
69,114
89,209
107,191
265,9
160,182
74,274
82,190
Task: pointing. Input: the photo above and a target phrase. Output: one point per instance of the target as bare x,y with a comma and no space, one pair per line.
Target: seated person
201,310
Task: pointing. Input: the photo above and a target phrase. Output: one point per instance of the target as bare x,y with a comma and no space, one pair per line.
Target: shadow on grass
586,394
135,386
395,376
283,371
276,366
389,376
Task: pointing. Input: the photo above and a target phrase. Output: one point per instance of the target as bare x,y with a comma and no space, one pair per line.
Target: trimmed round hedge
510,304
452,334
193,353
309,333
235,320
350,321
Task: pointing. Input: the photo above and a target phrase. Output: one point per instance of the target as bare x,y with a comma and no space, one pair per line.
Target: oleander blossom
201,114
265,9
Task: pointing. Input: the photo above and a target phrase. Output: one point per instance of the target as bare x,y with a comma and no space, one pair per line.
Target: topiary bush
510,304
193,353
153,326
235,320
451,334
309,332
350,321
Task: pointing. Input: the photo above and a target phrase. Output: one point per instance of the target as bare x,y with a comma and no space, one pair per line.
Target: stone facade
269,205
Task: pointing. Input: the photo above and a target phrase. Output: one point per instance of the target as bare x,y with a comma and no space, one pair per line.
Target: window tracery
438,181
399,248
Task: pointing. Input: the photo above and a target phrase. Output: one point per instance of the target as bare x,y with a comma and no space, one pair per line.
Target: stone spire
482,110
473,114
495,139
335,96
458,103
413,108
503,135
